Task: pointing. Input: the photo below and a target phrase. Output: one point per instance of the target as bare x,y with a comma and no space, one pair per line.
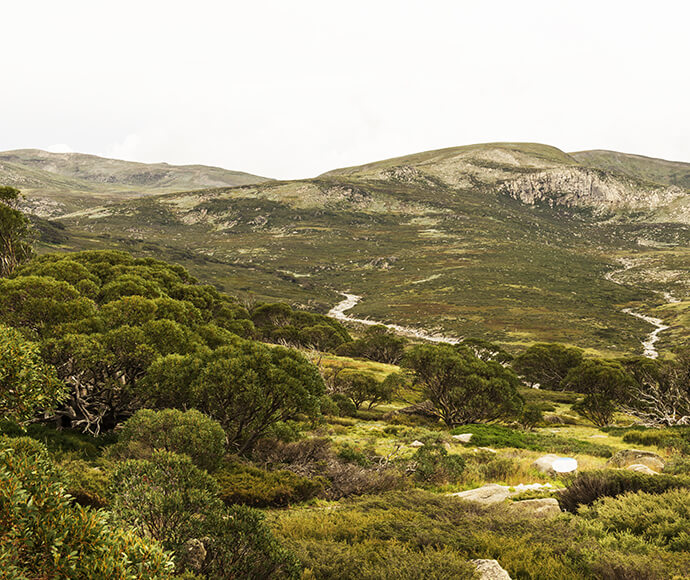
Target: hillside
512,242
637,166
58,183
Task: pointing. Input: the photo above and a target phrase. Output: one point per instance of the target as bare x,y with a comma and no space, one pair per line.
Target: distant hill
59,183
513,242
637,166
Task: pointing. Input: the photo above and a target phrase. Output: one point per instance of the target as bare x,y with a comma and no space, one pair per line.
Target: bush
88,485
191,433
43,535
589,486
169,498
433,464
243,484
662,519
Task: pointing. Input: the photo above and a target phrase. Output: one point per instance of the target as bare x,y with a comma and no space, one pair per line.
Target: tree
461,387
660,395
246,387
14,232
27,383
378,343
605,384
361,387
547,364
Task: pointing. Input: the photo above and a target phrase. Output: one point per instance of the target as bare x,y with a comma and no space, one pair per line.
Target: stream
351,300
650,350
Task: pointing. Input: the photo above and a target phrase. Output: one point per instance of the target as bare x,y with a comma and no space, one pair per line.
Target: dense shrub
191,433
433,464
378,343
662,519
244,484
87,484
169,498
43,535
27,383
589,486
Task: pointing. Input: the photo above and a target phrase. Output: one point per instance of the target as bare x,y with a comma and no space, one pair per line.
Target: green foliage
589,486
662,519
605,384
433,464
463,388
547,364
499,436
247,387
87,484
361,387
14,232
43,535
27,383
169,498
531,416
378,343
280,323
244,484
191,433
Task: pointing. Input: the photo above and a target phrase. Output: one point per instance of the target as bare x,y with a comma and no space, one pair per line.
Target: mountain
58,183
513,242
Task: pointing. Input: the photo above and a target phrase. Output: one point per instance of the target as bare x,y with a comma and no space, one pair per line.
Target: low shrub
244,484
589,486
498,436
433,464
88,485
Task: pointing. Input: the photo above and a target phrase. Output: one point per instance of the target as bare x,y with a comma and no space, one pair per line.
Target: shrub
433,464
88,485
191,433
662,519
43,535
169,498
243,484
589,486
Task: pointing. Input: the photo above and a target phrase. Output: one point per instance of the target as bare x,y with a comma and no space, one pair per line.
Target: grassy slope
66,182
638,166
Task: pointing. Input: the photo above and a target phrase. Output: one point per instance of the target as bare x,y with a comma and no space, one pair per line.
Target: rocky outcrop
627,457
639,468
582,187
463,437
490,570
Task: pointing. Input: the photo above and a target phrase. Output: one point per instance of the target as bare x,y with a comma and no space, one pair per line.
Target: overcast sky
293,88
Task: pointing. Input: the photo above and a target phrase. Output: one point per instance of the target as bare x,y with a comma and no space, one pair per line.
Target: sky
290,89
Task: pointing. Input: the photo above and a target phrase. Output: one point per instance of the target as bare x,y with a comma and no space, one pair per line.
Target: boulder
463,437
496,493
640,468
194,554
627,457
416,443
554,465
487,494
490,570
543,508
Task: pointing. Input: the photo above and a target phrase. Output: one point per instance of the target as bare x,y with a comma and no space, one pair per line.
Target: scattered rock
553,464
478,449
416,443
496,493
627,457
463,437
543,507
640,468
490,570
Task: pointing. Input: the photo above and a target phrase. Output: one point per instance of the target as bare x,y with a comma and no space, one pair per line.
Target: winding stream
650,350
351,300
